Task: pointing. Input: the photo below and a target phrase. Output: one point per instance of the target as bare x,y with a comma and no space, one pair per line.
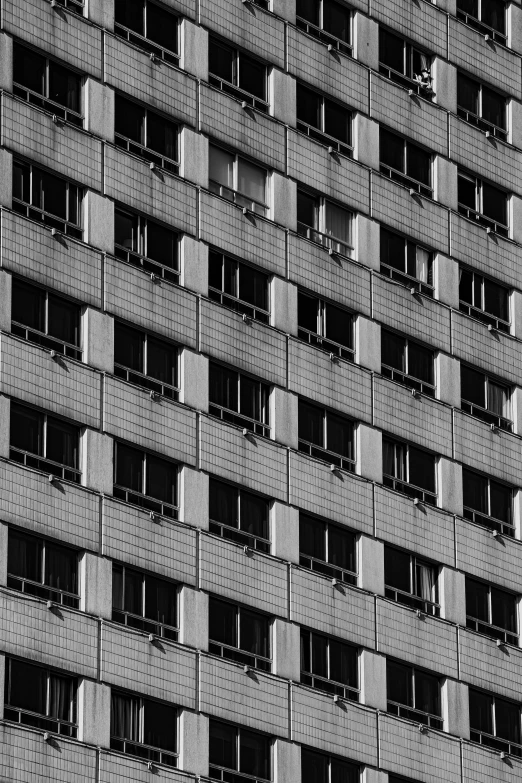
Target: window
495,722
413,694
236,749
238,286
45,319
329,665
75,6
39,697
325,326
487,502
239,634
239,515
44,83
405,162
146,134
144,602
481,106
411,581
239,399
484,398
318,768
327,549
324,120
486,16
237,74
407,362
42,568
145,480
45,443
144,728
406,262
325,223
482,202
237,180
325,435
491,611
409,470
405,64
146,361
146,244
51,200
483,299
148,26
328,21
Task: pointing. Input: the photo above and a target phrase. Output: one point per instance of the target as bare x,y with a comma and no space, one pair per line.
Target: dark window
487,502
325,223
324,120
146,134
144,728
327,436
482,202
149,26
145,480
407,262
146,361
481,106
236,749
329,665
46,84
483,299
239,634
42,568
237,74
328,21
495,722
237,180
239,399
409,470
318,768
74,6
407,362
38,697
486,16
239,515
413,694
484,398
405,64
410,581
491,611
144,602
327,549
326,326
45,443
51,200
405,162
238,286
146,244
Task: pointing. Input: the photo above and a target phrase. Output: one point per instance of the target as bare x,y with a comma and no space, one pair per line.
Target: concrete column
368,242
194,743
452,595
194,50
455,705
373,680
283,201
194,497
515,218
366,141
99,221
6,62
374,776
450,486
286,649
285,531
445,181
515,122
6,287
445,84
4,537
369,453
99,109
517,512
283,417
194,265
283,309
516,313
516,406
194,157
368,343
366,40
96,585
287,762
282,90
447,372
285,9
98,461
6,179
446,276
94,713
98,339
514,26
101,12
2,684
193,624
371,565
5,421
194,380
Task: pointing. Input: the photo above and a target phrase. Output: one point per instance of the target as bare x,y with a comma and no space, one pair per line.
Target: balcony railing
324,37
240,656
408,380
168,164
424,89
326,345
146,752
146,502
49,220
492,523
483,220
482,124
497,743
406,181
485,29
56,109
413,601
238,198
152,267
232,417
488,416
410,282
30,587
345,463
324,138
238,93
230,776
485,318
144,624
47,465
239,305
27,718
239,536
327,569
326,240
419,716
508,637
139,379
330,686
146,44
39,338
412,491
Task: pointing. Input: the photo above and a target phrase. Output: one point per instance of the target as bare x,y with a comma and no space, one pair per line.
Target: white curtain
221,165
338,223
497,399
425,581
423,265
251,181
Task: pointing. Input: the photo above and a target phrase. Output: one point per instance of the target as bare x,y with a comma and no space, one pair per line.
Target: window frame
412,599
352,766
486,627
400,177
233,195
148,752
49,219
477,24
403,485
237,654
493,740
405,378
319,134
432,720
239,535
318,32
153,49
139,258
259,427
315,681
318,339
319,236
323,453
235,302
480,313
399,276
325,567
486,414
142,150
477,215
415,82
139,498
478,120
149,626
488,521
142,379
233,89
213,768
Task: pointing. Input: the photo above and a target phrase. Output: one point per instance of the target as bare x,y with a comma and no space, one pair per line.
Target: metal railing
406,181
236,92
413,601
47,465
497,743
405,279
27,718
147,382
231,776
483,220
239,536
39,590
324,138
46,341
424,89
240,656
56,109
142,751
145,501
141,151
485,415
485,318
508,637
345,463
492,523
326,240
408,380
403,711
324,37
326,345
141,623
472,21
145,43
238,198
234,417
40,216
327,569
412,491
76,6
481,123
152,267
239,305
330,686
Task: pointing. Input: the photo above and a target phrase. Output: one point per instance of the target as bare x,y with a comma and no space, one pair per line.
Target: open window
481,106
326,326
324,223
326,436
144,602
146,244
324,120
485,398
238,180
409,470
144,728
411,581
407,362
329,665
327,549
146,360
319,768
483,299
43,442
407,262
239,634
146,134
239,515
238,286
238,74
328,21
495,722
145,480
405,64
491,611
46,198
150,26
486,16
488,503
405,162
235,749
239,399
483,203
414,694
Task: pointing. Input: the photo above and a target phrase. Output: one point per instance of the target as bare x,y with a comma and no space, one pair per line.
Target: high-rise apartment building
261,401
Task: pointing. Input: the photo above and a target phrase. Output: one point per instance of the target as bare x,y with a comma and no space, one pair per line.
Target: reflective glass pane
64,87
252,77
223,503
28,69
307,315
129,467
253,514
24,556
223,387
161,480
399,683
28,305
254,754
391,51
477,600
473,387
251,180
128,347
160,601
341,548
129,120
339,435
63,320
422,469
222,622
126,231
308,106
393,351
28,687
480,711
162,27
222,745
26,430
312,537
221,60
159,725
221,167
253,633
161,361
311,423
397,569
61,568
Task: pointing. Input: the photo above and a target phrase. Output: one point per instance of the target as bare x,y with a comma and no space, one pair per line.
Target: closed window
147,134
239,634
484,398
51,200
324,120
328,21
491,611
144,728
236,749
327,549
42,568
483,203
41,698
405,162
238,286
486,16
407,362
239,515
481,106
144,602
145,360
413,694
495,722
237,74
403,63
409,470
145,480
74,6
237,180
318,768
146,244
326,326
326,435
45,83
239,399
410,581
329,665
487,502
45,443
484,299
406,262
149,26
324,222
45,319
